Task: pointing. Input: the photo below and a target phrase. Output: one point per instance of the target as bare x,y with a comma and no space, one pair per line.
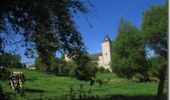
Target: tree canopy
128,54
155,31
155,28
10,60
41,24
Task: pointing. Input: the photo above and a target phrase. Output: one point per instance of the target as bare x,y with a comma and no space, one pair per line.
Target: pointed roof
106,38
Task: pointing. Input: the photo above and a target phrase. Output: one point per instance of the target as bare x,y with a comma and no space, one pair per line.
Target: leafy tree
38,64
154,66
103,70
62,68
58,66
86,69
35,19
155,30
128,56
10,60
71,66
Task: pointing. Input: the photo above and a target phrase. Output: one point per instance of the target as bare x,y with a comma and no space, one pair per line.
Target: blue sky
104,18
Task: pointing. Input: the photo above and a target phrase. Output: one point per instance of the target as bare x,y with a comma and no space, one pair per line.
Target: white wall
106,52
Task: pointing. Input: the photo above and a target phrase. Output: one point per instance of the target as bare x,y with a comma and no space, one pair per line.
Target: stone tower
106,51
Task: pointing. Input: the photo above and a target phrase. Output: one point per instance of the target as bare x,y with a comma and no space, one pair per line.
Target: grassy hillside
42,85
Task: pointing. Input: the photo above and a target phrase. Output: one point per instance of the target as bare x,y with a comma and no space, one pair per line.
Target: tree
86,69
128,54
35,19
10,60
154,64
155,30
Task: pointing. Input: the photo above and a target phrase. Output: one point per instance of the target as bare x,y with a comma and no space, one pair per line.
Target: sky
103,18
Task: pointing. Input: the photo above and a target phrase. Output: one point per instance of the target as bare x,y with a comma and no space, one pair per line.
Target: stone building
104,57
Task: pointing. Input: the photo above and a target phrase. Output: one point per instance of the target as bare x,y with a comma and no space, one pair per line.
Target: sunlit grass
59,86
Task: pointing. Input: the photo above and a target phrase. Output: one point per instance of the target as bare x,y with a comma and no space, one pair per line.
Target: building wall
100,61
106,52
105,59
66,58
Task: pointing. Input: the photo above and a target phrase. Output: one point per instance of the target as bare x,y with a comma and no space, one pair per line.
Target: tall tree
128,54
155,30
36,19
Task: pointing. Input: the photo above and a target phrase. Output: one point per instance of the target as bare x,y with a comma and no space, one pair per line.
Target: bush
87,72
63,68
103,70
154,66
4,74
10,60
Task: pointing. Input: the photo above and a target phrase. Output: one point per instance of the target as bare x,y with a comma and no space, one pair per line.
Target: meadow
40,85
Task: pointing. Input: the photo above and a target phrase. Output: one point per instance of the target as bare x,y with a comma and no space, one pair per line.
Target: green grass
58,86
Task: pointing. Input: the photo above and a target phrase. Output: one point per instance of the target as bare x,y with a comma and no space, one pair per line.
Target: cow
16,81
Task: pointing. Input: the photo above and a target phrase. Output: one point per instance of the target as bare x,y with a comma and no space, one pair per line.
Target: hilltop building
104,57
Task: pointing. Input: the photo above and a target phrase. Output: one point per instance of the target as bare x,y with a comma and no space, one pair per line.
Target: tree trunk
161,82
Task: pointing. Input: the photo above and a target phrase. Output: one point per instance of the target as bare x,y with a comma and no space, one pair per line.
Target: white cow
16,81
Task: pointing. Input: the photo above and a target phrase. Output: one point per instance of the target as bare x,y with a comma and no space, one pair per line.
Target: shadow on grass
34,90
136,97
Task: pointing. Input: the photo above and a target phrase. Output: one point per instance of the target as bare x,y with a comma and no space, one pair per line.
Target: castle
104,57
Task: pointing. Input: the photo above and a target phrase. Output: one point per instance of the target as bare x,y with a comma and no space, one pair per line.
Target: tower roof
106,38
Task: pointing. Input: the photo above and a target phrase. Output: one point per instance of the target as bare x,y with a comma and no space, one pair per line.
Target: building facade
104,57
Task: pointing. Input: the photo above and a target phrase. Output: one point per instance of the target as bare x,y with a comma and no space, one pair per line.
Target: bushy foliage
128,56
64,68
58,67
103,70
10,60
4,74
86,69
155,31
154,64
81,68
37,64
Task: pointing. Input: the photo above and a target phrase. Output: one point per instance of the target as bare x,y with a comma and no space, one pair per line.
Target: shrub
103,70
87,72
4,74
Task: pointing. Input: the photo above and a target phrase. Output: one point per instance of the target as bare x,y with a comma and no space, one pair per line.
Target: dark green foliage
64,68
37,63
80,94
45,26
155,28
154,64
58,67
87,72
103,70
155,31
82,68
4,74
10,60
128,56
86,69
46,46
6,95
